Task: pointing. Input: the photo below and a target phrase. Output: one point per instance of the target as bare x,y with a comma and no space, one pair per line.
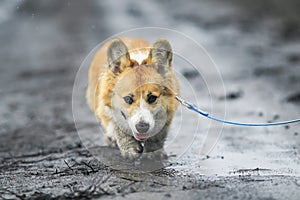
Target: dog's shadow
111,157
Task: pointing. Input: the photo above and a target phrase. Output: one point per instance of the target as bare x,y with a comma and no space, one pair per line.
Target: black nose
142,127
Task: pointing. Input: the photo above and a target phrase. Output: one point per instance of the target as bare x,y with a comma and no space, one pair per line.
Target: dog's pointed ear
118,56
161,56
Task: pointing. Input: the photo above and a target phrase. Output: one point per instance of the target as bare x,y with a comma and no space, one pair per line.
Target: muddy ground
256,47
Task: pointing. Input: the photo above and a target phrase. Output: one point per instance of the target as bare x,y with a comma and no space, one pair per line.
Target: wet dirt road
257,53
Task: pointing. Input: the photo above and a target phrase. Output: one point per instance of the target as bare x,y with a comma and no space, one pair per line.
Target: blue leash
205,114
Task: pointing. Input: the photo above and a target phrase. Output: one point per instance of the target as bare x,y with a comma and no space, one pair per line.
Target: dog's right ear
118,56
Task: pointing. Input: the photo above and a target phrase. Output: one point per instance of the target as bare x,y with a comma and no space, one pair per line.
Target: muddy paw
132,153
111,142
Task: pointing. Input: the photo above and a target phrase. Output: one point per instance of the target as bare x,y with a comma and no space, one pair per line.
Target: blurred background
254,43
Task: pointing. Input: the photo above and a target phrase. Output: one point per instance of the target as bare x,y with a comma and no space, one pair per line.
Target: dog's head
143,99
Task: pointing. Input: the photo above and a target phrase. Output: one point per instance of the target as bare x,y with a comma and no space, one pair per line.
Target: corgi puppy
131,89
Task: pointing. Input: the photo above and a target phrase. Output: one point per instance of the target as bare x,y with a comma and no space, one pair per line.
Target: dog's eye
151,98
128,99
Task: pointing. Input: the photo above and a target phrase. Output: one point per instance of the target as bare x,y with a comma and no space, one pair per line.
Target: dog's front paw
132,152
110,141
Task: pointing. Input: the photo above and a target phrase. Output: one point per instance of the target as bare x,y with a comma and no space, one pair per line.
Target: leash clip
191,106
183,102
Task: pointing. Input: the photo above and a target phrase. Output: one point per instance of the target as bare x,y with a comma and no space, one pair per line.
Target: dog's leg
129,147
154,146
110,137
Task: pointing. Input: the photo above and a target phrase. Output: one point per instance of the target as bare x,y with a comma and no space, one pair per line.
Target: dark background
256,46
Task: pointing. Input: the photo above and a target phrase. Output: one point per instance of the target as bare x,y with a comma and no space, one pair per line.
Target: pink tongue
141,137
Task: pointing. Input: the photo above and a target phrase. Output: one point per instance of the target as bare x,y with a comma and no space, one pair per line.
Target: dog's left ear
161,56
